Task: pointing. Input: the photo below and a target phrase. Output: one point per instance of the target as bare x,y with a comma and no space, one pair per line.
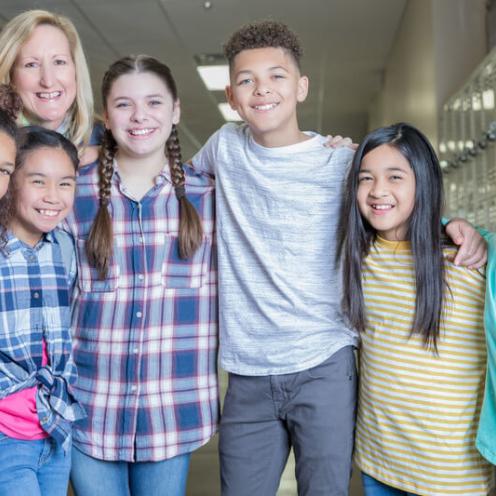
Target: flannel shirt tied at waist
35,307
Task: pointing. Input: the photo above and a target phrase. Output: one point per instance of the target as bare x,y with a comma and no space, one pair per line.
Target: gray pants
312,411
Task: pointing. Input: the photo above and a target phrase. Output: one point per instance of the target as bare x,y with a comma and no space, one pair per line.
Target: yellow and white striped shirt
418,411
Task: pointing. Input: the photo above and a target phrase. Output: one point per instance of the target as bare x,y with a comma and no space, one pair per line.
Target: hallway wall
437,46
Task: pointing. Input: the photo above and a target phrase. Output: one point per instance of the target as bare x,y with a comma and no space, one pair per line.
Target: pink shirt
18,414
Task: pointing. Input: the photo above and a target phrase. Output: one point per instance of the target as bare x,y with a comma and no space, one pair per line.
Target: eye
363,179
60,62
67,184
31,65
5,172
121,105
396,177
155,103
244,82
38,182
279,76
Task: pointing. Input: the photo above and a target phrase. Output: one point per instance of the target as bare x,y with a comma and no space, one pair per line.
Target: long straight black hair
425,232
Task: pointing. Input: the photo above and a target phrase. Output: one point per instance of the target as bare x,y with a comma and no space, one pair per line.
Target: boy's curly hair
263,34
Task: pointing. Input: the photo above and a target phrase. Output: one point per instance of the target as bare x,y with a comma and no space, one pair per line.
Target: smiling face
265,89
44,193
386,192
7,161
140,113
44,76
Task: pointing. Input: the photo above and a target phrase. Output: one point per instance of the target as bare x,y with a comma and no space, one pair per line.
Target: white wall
437,46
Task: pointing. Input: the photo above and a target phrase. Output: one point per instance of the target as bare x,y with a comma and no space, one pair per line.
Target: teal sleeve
487,424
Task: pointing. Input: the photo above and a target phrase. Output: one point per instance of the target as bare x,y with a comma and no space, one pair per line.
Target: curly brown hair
263,34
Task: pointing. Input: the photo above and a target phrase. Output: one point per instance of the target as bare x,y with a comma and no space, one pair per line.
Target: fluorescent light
228,113
215,77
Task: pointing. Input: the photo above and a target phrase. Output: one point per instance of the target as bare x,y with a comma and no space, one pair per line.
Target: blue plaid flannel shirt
145,338
35,306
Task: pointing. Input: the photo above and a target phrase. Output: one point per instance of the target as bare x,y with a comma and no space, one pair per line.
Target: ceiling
346,44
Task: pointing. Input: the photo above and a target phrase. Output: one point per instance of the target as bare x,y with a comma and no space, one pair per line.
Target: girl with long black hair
423,356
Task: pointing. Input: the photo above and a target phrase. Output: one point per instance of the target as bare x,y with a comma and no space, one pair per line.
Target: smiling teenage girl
145,329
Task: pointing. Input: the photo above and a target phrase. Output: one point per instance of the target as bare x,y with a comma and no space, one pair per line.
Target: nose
47,75
138,114
262,89
378,189
51,195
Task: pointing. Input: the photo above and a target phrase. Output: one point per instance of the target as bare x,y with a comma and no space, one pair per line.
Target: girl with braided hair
145,322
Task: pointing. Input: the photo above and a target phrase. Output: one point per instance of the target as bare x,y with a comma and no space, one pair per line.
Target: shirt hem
97,452
228,367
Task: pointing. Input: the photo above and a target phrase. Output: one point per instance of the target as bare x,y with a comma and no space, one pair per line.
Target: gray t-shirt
277,219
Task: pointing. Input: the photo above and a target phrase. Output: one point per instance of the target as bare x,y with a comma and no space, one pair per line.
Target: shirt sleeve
207,156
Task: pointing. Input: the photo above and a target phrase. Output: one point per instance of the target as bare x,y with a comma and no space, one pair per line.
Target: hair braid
190,227
99,245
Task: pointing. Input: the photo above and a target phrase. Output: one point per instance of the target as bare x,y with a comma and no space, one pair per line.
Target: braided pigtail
99,246
190,227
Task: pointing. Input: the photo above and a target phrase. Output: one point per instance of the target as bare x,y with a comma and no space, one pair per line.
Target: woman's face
44,76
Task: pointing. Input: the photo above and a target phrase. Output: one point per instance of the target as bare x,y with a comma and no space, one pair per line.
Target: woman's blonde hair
17,31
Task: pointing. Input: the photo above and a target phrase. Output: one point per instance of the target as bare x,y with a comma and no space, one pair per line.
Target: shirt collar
13,243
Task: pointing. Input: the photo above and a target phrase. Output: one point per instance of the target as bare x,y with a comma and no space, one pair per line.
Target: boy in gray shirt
283,340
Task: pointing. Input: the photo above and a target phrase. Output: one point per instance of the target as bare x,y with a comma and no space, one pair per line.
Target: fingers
339,142
473,255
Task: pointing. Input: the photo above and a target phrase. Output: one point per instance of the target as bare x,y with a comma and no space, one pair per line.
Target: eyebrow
249,71
9,164
391,169
32,174
156,95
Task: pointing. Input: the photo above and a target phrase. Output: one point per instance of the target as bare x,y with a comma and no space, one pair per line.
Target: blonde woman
41,57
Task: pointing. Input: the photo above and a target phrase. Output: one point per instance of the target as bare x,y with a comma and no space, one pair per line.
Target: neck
280,137
144,167
138,174
29,238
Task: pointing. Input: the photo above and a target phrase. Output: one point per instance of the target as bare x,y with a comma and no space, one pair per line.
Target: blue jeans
93,477
372,487
33,468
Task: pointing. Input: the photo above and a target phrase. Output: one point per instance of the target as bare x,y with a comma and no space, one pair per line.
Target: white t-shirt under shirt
277,220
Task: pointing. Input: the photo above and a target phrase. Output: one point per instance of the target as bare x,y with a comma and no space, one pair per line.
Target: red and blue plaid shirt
145,338
35,307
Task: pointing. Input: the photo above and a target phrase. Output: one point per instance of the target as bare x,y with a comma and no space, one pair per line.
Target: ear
302,89
230,97
176,112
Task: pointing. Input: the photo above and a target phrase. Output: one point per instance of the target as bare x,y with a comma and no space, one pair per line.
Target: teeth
267,106
382,207
49,96
49,213
140,132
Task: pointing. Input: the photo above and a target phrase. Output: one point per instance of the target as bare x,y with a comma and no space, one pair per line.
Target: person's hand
472,251
339,142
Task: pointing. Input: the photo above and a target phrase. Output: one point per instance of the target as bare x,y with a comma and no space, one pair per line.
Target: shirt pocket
188,273
88,277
